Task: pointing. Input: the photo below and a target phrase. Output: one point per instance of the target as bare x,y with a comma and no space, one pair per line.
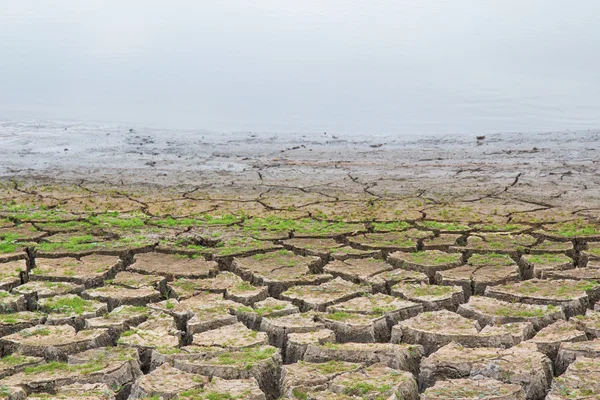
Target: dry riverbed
411,270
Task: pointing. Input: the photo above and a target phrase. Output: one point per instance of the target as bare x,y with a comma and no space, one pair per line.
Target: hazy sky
406,66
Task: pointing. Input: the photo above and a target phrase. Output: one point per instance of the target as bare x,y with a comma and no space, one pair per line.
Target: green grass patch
14,359
245,287
116,220
430,290
54,367
7,246
332,367
444,226
491,227
548,259
70,305
574,229
390,226
339,316
246,358
507,311
434,257
74,244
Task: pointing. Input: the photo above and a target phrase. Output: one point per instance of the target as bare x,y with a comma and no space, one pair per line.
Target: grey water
395,67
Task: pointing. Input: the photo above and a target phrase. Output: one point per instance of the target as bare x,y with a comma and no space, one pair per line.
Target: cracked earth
316,268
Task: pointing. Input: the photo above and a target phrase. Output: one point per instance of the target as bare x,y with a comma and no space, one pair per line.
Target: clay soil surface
321,268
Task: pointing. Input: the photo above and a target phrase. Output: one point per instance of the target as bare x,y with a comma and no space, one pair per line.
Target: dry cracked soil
306,281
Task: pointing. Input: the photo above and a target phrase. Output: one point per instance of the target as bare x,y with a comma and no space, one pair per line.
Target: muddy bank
551,168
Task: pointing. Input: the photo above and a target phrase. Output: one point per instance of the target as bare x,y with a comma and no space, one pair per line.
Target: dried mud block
116,296
11,273
239,389
242,247
520,331
442,242
579,274
270,307
34,290
591,253
376,381
392,308
573,296
358,270
261,363
540,264
232,337
23,232
133,280
300,394
319,297
173,266
76,244
548,340
572,230
280,270
166,382
278,328
504,243
157,332
491,276
183,288
553,247
14,252
89,271
199,313
491,311
109,367
53,342
119,319
313,247
588,322
233,287
298,342
14,392
493,269
311,228
521,365
349,253
394,226
15,363
82,391
306,376
474,389
70,309
431,297
384,281
580,381
15,322
433,330
444,227
402,356
116,354
389,242
357,328
10,303
460,276
569,351
428,262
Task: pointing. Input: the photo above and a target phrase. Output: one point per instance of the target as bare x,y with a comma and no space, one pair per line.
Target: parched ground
280,282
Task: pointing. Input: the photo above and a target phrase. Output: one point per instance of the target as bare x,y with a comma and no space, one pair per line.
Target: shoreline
554,168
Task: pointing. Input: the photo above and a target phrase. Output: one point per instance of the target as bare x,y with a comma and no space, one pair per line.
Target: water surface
380,66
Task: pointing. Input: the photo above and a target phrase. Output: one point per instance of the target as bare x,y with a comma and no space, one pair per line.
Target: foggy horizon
393,67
